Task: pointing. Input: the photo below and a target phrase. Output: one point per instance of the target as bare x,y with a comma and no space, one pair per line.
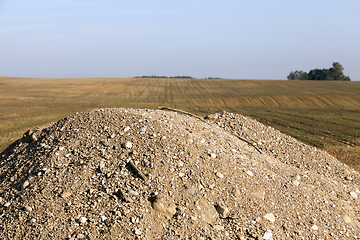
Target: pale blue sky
242,39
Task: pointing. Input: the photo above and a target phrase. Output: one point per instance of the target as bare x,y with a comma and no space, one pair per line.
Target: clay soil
155,174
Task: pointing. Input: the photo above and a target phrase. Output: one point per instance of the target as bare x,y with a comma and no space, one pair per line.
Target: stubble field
320,113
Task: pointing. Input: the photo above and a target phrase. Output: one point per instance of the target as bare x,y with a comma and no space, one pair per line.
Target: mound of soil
154,174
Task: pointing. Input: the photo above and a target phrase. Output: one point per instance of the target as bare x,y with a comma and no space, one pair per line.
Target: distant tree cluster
332,74
214,78
154,76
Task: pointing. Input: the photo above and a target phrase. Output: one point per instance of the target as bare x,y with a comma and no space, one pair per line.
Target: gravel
154,174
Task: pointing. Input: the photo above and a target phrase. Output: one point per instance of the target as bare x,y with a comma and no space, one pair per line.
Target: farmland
320,113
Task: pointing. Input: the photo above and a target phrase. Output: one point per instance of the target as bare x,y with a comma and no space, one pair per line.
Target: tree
297,75
332,74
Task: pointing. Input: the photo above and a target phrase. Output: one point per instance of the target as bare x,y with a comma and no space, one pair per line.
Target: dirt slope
153,174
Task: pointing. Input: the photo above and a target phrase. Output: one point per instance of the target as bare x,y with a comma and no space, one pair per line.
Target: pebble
137,231
347,219
190,191
236,192
250,173
353,194
212,155
132,192
296,183
33,220
82,220
128,145
218,227
103,218
219,175
222,209
28,208
314,227
160,207
65,194
270,217
25,184
126,129
267,235
7,204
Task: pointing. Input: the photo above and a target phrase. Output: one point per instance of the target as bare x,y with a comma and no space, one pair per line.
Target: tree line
154,76
335,73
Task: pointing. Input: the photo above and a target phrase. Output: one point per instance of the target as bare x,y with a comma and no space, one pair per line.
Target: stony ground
154,174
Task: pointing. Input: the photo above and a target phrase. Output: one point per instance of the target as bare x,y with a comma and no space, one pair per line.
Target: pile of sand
153,174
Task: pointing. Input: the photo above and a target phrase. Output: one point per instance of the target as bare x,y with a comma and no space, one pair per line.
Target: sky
237,39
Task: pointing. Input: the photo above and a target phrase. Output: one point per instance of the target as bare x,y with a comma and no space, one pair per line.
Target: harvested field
323,114
152,174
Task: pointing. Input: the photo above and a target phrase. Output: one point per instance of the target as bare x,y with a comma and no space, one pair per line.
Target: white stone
314,227
103,218
126,129
219,175
353,194
133,193
128,144
267,235
270,217
137,231
296,183
250,173
212,155
82,220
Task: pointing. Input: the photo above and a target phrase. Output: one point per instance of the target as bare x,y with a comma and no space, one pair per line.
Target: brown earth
154,174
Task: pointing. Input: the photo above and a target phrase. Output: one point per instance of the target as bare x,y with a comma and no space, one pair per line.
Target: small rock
314,227
160,207
349,178
126,129
190,191
295,182
212,117
236,192
249,173
270,217
132,192
218,227
33,137
103,218
33,220
267,235
28,208
128,145
7,204
137,231
219,175
222,209
347,219
181,174
189,140
297,177
65,194
353,194
25,184
212,155
82,220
